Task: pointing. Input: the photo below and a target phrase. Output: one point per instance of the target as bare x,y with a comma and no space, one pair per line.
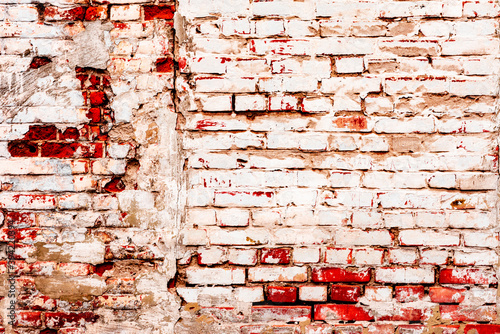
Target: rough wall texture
239,166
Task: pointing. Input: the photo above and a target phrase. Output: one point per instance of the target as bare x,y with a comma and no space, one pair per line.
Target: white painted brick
297,237
249,236
475,258
411,8
370,219
480,66
402,256
219,276
399,219
306,255
368,256
24,13
427,238
476,28
250,102
430,219
236,27
344,179
378,294
249,294
233,217
298,28
473,87
436,28
192,237
208,64
313,293
362,238
125,13
271,274
481,9
245,257
433,256
338,255
472,219
244,198
349,65
404,275
469,47
313,105
415,125
212,255
480,239
265,28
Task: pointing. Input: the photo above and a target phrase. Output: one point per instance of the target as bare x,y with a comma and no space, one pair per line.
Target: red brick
60,14
446,295
345,312
275,256
481,329
68,319
466,276
468,313
116,185
345,293
164,65
281,313
28,319
162,12
98,99
41,132
340,275
282,294
21,148
38,62
70,134
96,13
406,294
70,150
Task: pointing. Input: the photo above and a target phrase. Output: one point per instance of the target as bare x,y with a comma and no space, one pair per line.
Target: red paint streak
205,123
352,123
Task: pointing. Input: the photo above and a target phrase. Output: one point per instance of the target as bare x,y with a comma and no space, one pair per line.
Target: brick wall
237,166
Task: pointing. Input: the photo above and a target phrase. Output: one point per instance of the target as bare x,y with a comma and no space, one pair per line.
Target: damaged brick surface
248,166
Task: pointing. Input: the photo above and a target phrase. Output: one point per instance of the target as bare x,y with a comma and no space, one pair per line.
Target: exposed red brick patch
163,12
